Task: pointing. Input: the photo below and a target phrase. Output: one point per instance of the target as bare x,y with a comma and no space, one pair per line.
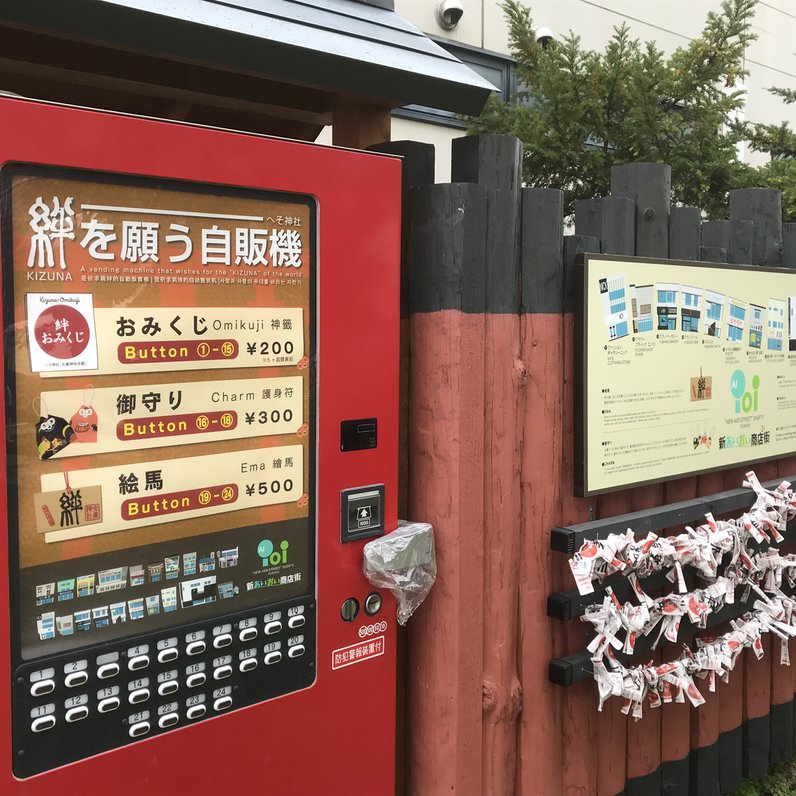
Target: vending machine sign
161,389
160,414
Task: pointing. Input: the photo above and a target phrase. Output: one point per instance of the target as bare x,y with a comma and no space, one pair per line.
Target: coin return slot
373,603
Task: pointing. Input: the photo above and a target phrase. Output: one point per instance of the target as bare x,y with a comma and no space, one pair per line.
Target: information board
160,401
686,368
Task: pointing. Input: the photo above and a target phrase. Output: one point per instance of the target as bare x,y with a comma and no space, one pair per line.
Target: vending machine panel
191,316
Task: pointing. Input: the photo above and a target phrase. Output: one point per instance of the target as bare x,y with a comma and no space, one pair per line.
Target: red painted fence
488,355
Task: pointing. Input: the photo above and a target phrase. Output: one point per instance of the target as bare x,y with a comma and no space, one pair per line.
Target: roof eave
441,83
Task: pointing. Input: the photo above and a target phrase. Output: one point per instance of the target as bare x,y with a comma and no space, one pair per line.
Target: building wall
771,60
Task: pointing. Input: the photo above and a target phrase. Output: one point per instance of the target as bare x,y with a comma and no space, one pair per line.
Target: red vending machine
200,394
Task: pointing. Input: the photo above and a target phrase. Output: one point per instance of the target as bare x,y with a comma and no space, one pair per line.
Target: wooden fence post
542,345
763,206
649,186
446,437
611,220
417,168
685,233
703,762
609,725
496,162
789,245
741,241
685,240
579,708
715,241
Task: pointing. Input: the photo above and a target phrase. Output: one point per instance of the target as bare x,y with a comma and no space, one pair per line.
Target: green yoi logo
271,556
745,400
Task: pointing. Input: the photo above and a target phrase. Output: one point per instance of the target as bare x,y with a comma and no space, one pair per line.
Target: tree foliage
779,140
579,112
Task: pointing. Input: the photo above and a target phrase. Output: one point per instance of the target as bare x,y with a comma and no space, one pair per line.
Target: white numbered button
139,662
222,672
167,655
169,720
196,648
248,665
75,714
42,687
248,633
272,628
222,703
137,730
42,724
296,621
108,670
139,695
224,640
169,687
273,657
296,652
107,705
196,711
75,679
196,679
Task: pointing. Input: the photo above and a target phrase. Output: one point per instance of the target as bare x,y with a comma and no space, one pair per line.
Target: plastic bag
404,563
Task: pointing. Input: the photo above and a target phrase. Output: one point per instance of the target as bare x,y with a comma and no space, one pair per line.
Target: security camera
544,36
448,13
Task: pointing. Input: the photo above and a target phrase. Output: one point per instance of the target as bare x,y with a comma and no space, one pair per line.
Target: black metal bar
570,669
573,668
569,539
572,604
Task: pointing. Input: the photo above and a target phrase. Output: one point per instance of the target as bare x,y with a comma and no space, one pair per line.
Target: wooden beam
34,55
147,105
358,124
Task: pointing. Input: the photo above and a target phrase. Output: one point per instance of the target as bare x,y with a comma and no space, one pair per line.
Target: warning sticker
356,653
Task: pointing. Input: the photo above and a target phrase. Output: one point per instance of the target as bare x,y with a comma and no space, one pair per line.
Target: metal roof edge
401,77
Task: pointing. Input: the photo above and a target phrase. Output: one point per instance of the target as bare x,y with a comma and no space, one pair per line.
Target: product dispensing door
200,387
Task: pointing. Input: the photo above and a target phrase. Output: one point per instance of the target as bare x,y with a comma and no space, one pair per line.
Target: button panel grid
73,706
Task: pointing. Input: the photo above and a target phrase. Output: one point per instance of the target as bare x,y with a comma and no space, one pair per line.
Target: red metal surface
337,737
